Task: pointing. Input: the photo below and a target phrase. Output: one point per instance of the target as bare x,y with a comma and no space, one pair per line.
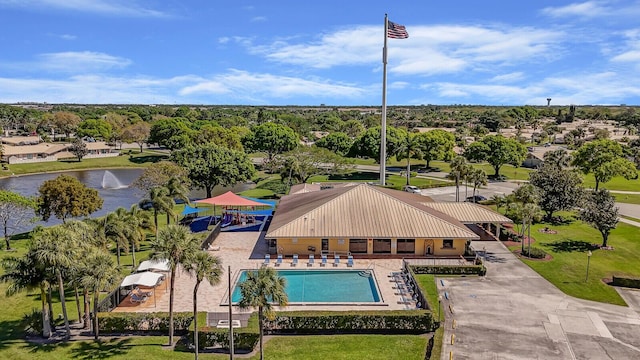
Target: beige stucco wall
288,246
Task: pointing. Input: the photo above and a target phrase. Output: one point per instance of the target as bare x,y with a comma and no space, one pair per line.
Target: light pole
586,278
439,307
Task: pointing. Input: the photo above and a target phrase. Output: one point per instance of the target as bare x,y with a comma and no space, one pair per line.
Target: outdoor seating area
405,287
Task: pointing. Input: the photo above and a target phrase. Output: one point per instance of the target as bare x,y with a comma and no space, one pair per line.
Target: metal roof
468,213
362,211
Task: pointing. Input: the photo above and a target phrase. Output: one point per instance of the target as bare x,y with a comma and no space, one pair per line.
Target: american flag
397,31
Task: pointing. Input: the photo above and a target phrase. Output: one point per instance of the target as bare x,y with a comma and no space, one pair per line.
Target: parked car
475,199
412,189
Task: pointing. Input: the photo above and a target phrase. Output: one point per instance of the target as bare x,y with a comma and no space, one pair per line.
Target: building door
325,244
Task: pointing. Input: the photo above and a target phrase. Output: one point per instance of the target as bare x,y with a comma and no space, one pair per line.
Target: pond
113,186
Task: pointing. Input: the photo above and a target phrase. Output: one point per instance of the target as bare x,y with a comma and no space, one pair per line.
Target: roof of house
468,213
21,140
362,211
42,148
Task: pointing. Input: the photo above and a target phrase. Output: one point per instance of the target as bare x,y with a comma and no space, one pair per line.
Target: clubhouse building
371,221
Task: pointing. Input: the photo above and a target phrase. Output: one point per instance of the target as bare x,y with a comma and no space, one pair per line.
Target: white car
412,189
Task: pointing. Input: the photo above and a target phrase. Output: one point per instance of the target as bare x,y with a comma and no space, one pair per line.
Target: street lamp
439,307
588,260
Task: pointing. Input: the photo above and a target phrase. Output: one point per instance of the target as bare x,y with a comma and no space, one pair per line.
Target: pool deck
245,250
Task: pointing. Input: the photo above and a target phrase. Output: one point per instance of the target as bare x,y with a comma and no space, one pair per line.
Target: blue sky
286,52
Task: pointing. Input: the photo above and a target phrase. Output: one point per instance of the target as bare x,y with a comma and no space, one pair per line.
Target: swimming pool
324,286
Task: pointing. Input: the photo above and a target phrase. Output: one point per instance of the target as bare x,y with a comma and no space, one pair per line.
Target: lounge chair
336,260
324,260
294,262
137,298
311,260
267,259
350,261
279,260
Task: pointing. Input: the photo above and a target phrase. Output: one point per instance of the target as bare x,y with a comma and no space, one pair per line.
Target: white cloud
584,9
267,86
79,62
109,7
259,19
508,78
67,37
429,50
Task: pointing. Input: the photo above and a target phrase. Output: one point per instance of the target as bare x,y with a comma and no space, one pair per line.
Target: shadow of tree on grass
101,349
571,246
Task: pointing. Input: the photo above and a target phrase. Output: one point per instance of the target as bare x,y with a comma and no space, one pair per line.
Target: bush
32,322
118,323
370,322
626,282
450,270
535,253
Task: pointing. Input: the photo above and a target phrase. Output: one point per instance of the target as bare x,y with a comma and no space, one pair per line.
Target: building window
447,244
358,246
406,246
382,246
325,244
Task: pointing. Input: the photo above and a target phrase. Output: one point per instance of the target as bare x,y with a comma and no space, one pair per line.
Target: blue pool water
323,286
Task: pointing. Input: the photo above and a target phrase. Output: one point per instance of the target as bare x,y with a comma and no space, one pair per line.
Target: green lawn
567,269
136,159
393,181
617,183
627,198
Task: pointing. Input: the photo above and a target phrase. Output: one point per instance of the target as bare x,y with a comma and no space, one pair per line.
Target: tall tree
15,211
174,244
338,142
559,189
159,175
560,158
172,133
605,159
497,151
600,211
436,145
262,289
137,133
210,165
368,143
56,248
299,165
271,138
79,148
160,201
176,189
66,122
66,197
477,178
24,274
99,272
459,169
204,267
94,128
409,148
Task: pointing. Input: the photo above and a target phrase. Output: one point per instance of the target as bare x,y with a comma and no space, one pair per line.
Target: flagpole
383,130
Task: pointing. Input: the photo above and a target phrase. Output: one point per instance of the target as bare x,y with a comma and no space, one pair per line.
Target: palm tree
116,229
477,177
56,249
139,222
261,289
25,274
499,200
204,267
174,244
458,170
177,190
99,272
160,201
83,233
410,148
529,213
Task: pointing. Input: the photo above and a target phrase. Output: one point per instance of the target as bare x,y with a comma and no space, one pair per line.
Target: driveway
513,313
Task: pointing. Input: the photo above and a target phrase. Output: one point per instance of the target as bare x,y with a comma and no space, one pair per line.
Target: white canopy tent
159,265
149,279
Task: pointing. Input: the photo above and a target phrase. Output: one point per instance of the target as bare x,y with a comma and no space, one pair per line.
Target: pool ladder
367,272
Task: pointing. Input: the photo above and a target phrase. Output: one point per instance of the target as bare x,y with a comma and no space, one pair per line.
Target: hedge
369,322
449,270
626,282
118,323
535,253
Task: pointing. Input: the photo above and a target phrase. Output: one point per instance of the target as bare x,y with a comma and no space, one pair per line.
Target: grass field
135,160
627,198
617,183
393,181
567,269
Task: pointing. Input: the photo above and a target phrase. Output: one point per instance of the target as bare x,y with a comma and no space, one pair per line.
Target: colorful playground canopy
230,199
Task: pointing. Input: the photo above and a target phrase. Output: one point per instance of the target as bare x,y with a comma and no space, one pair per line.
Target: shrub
626,282
117,323
450,270
534,253
370,322
277,186
32,322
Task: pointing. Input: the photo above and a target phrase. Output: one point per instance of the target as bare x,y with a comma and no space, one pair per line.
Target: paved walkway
246,250
513,313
